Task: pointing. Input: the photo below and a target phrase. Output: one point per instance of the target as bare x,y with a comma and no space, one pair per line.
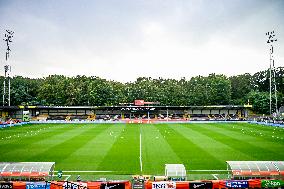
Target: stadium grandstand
126,112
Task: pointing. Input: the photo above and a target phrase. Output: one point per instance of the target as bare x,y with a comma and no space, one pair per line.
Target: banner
6,185
37,185
75,185
139,102
94,185
236,184
272,183
138,184
56,185
163,185
19,185
200,185
112,186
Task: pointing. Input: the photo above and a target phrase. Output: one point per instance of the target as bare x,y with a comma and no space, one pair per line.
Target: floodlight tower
7,68
271,39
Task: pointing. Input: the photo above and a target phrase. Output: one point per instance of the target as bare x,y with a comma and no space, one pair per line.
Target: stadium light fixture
7,68
271,39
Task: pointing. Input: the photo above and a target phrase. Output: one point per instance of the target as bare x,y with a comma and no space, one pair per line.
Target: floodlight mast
271,39
270,88
7,68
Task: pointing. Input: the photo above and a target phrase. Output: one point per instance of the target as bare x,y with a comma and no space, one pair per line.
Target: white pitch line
141,165
215,176
207,170
85,171
67,177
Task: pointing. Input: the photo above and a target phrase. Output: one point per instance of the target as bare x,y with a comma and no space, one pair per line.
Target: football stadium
140,145
142,94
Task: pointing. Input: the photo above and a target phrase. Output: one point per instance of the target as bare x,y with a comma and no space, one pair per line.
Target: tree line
213,89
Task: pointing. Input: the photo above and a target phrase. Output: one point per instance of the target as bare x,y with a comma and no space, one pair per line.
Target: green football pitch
118,147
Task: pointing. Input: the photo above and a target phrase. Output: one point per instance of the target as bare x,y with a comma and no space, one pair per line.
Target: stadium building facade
126,112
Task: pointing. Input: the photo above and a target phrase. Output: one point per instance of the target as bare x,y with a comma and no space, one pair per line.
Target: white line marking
141,165
207,170
67,177
85,171
215,176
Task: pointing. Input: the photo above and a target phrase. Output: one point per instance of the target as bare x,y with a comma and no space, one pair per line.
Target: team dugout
26,171
256,169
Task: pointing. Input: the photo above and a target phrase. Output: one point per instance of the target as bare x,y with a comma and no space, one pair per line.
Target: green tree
241,85
53,90
260,101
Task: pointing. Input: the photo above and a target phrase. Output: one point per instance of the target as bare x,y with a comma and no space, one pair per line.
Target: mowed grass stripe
26,145
219,150
7,131
236,151
252,132
260,127
25,132
68,144
266,135
156,152
255,130
191,154
239,141
123,157
93,152
264,140
63,133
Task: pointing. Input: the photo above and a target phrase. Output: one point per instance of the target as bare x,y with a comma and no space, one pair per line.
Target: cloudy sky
124,39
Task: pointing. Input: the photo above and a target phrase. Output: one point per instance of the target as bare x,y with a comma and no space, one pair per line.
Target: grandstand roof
128,107
256,168
26,169
146,106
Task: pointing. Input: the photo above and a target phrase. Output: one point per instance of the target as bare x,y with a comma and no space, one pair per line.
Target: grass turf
115,147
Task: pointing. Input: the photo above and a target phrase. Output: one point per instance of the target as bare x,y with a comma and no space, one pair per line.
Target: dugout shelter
26,171
242,170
